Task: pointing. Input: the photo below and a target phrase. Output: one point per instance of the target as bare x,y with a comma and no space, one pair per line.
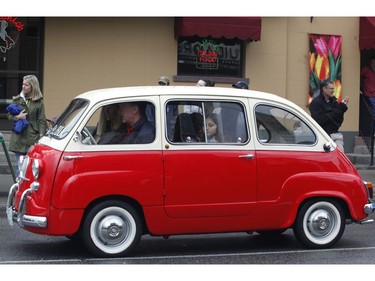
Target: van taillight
368,185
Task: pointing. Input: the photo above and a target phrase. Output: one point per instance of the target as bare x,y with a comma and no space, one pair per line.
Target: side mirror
328,147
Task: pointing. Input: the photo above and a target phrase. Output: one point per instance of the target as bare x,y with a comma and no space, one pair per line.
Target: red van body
110,195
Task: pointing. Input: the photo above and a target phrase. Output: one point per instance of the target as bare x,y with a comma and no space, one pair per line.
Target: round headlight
35,168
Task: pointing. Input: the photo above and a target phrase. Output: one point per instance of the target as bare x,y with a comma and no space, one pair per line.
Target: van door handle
247,156
71,157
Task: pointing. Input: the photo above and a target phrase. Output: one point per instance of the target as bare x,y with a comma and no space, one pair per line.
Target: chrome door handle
247,156
71,157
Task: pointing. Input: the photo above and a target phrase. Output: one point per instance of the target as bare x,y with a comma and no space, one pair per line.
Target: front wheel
111,229
320,223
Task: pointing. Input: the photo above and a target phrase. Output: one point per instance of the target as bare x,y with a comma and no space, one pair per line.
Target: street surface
356,247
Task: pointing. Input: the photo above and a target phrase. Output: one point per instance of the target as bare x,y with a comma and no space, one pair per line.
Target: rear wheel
320,223
111,229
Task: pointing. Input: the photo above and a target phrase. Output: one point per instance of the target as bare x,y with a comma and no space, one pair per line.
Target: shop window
210,57
21,53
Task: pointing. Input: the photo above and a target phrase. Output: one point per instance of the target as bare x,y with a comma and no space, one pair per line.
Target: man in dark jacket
138,129
329,113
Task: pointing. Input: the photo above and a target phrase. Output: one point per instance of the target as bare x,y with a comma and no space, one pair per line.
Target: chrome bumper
369,208
20,218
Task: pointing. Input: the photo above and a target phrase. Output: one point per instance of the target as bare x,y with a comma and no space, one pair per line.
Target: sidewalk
6,181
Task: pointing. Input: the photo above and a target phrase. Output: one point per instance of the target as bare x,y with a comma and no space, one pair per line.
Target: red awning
244,28
367,33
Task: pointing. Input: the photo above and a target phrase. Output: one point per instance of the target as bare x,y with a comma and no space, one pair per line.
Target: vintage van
261,174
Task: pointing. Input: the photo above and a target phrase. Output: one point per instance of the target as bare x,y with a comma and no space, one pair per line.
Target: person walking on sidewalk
30,100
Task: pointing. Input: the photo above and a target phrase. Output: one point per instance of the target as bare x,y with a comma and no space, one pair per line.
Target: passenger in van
213,133
138,130
109,124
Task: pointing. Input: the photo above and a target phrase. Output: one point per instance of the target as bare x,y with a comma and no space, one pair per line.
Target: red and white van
262,175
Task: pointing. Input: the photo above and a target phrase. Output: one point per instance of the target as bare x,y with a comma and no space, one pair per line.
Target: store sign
9,31
208,56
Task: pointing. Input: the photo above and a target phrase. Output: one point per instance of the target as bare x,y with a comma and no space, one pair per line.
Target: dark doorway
21,53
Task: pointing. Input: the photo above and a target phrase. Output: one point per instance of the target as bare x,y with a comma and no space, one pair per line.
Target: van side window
124,123
206,122
279,126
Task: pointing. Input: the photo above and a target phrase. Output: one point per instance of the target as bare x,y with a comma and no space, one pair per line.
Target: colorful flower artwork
325,63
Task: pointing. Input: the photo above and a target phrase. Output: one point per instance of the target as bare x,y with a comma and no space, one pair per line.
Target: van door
206,176
104,158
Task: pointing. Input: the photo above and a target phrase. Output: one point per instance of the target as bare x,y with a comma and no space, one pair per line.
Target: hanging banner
325,63
10,27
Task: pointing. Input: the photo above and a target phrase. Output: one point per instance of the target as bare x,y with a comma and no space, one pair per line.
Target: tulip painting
325,63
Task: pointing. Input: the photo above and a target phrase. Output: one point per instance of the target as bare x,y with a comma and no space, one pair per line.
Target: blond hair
36,93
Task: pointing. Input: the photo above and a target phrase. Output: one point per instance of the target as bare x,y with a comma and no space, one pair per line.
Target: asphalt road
356,247
190,257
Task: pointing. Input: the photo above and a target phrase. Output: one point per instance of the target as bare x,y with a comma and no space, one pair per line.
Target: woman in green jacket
30,100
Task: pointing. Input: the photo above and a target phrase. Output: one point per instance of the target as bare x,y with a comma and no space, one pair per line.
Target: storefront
72,55
21,53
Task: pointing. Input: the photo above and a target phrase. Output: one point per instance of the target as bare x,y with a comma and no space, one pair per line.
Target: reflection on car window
68,119
206,122
124,123
279,126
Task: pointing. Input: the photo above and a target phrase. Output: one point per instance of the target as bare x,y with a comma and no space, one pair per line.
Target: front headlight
22,166
35,168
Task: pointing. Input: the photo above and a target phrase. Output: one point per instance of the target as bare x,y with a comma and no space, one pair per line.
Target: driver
138,130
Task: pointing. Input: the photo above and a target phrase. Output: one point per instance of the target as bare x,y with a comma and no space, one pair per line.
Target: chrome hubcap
112,230
320,223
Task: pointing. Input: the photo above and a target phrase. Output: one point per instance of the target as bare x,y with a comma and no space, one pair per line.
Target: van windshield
68,119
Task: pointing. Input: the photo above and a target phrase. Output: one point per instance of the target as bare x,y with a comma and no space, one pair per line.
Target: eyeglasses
162,84
330,88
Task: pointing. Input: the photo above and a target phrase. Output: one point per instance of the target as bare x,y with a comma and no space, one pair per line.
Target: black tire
75,237
320,223
111,229
272,233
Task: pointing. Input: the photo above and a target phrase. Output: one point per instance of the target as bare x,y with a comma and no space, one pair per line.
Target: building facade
73,55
